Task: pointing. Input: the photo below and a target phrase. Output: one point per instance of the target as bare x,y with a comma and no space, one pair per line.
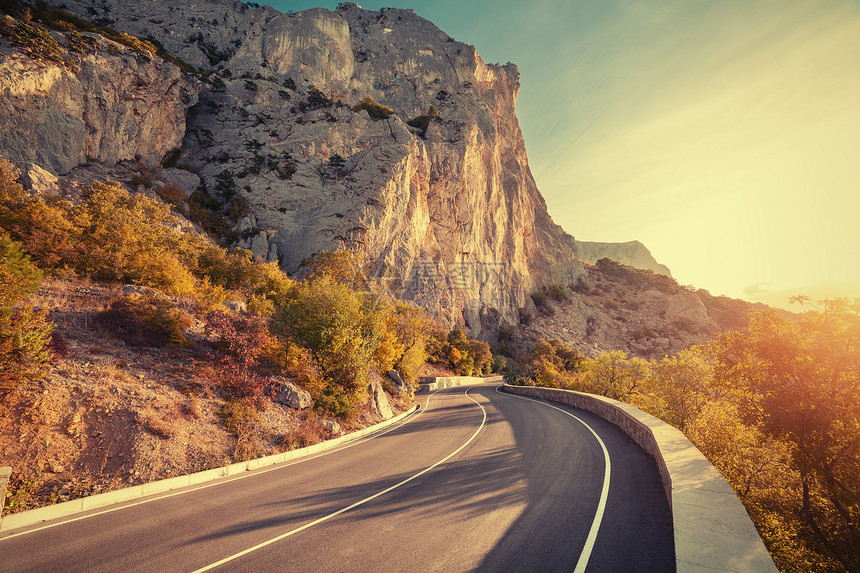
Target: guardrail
712,529
437,382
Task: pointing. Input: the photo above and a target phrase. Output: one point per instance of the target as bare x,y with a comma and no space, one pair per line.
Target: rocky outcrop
631,253
379,400
119,105
290,394
443,207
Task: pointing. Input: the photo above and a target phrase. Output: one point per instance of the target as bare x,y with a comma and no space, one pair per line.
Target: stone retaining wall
713,531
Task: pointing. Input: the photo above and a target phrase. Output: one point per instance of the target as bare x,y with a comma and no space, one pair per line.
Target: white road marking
354,505
229,479
604,494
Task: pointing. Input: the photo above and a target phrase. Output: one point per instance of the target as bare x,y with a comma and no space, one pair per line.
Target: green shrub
241,420
25,334
317,99
37,42
558,292
539,298
171,158
373,109
422,122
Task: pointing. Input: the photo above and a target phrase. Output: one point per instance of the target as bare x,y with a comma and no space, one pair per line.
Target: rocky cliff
107,103
429,181
631,253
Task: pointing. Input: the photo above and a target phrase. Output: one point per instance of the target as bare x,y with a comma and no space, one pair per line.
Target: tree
24,333
615,375
680,386
341,334
800,383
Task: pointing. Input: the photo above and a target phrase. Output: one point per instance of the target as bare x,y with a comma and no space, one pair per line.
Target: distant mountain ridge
631,253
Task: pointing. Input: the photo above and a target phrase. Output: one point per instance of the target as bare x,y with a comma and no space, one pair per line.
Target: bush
374,110
422,122
317,99
241,339
539,298
336,161
240,419
171,158
37,42
643,279
25,334
558,292
644,331
147,320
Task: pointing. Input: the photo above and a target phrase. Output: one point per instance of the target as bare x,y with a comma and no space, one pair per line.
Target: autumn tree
800,383
615,375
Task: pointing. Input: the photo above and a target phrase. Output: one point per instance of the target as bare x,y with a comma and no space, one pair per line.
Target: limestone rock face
448,216
119,105
437,197
631,253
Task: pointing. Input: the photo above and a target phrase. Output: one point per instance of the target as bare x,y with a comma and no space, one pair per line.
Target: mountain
428,179
631,253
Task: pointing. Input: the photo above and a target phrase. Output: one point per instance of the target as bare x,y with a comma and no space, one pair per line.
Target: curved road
476,480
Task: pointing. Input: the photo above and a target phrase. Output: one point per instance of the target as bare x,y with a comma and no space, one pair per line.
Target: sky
722,134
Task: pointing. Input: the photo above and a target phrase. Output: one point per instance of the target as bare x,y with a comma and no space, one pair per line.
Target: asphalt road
477,480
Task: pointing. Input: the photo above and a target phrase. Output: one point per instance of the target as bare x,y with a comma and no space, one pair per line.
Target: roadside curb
712,529
5,474
440,382
67,508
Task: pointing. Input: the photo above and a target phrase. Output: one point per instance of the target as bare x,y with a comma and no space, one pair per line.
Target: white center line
354,505
604,494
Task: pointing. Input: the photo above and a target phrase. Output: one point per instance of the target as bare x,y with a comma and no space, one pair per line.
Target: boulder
180,178
403,387
235,305
290,394
39,180
379,400
332,427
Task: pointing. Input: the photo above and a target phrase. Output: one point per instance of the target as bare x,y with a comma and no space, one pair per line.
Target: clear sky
723,134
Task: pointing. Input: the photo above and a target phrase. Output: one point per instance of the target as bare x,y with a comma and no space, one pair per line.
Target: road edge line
75,506
354,505
591,538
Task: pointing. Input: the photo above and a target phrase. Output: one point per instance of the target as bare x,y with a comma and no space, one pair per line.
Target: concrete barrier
712,529
437,382
5,474
67,508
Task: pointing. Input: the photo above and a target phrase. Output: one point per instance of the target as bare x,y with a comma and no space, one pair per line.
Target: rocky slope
631,253
445,210
641,313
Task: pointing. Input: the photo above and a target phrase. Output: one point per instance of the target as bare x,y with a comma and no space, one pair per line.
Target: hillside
618,307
